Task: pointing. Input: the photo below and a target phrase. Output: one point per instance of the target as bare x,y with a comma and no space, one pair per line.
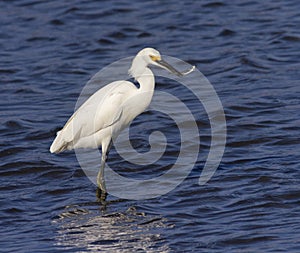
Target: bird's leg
100,176
101,189
101,195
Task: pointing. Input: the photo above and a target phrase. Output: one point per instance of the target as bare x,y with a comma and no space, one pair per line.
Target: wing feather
101,110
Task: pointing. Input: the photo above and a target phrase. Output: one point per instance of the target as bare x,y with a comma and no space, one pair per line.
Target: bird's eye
155,58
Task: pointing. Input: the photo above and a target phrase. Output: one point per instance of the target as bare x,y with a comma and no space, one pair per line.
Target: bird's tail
59,144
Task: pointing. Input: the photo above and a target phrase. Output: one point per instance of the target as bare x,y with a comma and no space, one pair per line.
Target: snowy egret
112,108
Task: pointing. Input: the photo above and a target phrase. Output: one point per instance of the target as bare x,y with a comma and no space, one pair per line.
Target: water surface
249,50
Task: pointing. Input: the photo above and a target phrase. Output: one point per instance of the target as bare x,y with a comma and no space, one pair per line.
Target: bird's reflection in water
88,229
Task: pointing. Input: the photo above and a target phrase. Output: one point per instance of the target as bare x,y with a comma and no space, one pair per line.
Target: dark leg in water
101,190
101,195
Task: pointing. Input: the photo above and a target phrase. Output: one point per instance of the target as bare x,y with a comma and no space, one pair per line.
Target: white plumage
109,110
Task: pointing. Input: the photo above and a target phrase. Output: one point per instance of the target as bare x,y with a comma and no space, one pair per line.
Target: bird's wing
101,110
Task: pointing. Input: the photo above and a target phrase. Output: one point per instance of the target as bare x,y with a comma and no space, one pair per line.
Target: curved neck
146,81
146,89
144,76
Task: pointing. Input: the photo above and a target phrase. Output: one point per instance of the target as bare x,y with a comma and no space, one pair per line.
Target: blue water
249,51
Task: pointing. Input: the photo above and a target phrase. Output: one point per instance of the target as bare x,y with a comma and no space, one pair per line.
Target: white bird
111,109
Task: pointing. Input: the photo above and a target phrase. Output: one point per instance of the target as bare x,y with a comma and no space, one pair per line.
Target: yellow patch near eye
155,58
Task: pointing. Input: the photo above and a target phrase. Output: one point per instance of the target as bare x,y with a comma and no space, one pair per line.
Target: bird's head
150,56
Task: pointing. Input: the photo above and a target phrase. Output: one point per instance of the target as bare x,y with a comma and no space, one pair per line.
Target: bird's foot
101,195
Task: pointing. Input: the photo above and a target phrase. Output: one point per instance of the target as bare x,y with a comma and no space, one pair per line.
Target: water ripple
249,50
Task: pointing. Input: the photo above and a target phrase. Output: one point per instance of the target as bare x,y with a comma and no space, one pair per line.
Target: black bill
173,70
